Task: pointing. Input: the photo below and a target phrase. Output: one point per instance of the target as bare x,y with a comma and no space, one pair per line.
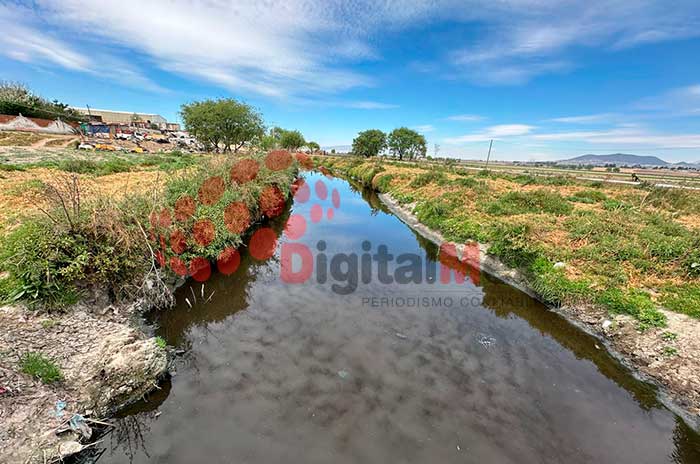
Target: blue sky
544,79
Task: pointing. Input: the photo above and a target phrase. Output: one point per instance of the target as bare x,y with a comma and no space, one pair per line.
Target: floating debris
343,374
486,340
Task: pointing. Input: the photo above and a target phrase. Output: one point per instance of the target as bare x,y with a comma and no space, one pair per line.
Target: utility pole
488,157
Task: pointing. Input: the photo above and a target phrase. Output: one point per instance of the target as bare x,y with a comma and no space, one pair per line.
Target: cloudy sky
543,79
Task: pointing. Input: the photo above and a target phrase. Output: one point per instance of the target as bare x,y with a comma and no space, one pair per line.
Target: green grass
683,299
430,177
588,196
634,302
536,201
40,368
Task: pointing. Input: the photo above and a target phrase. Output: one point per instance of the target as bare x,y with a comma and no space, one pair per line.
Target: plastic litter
78,425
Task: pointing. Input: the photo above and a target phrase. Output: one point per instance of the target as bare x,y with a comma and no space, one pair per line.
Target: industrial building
133,119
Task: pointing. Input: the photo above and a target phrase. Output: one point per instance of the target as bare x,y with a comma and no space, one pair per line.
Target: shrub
432,213
161,343
536,201
383,182
40,367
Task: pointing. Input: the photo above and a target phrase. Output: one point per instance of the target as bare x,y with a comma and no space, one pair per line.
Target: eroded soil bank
106,362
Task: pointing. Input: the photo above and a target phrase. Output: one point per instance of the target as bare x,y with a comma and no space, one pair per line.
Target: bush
40,367
536,201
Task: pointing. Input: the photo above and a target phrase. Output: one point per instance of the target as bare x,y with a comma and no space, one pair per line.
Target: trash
401,336
559,265
59,410
343,374
78,425
3,390
606,323
486,340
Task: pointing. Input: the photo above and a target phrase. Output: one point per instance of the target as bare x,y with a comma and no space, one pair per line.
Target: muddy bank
645,353
106,362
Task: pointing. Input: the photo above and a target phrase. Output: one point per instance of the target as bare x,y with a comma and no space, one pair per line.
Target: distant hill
616,158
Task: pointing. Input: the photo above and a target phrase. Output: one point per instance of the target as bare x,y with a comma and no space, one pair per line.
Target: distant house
23,123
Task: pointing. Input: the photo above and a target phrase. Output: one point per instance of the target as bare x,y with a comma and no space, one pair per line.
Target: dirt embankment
105,362
678,374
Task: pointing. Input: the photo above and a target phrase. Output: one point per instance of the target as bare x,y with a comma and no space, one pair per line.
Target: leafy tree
292,140
405,142
17,99
226,122
313,146
369,143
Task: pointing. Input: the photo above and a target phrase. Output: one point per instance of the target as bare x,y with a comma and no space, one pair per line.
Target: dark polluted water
276,372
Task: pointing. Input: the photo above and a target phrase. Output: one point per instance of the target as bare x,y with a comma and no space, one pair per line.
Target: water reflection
280,373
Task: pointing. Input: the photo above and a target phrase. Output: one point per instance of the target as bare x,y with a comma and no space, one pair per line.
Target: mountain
616,158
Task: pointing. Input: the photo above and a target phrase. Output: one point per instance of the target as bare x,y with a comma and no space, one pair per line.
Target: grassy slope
625,248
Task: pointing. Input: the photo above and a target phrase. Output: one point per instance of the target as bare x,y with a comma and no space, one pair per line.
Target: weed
634,302
683,299
553,285
161,343
48,323
40,367
513,245
670,351
588,196
669,336
537,201
437,177
11,167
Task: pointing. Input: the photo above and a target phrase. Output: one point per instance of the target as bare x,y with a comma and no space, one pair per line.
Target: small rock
606,323
69,448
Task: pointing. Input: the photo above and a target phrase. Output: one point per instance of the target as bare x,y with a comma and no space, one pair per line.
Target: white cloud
493,132
528,38
626,138
424,128
370,105
679,102
465,117
585,119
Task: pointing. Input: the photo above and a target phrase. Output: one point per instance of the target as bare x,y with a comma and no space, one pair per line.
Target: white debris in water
343,374
401,336
486,340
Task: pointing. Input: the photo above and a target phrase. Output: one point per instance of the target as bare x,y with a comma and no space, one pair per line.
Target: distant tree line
227,125
404,143
16,99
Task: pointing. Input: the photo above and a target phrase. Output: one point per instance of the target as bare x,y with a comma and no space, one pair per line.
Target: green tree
313,146
17,99
405,142
292,140
369,143
224,122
